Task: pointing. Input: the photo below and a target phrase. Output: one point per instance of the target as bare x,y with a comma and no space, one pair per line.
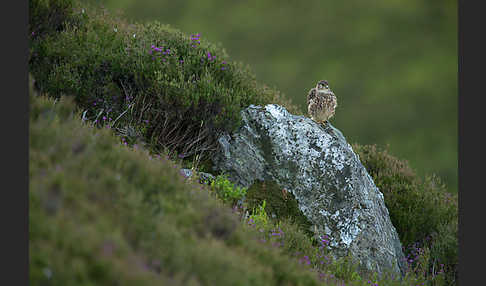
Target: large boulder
316,164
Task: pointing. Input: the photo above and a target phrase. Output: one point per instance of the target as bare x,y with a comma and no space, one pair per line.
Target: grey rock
316,164
186,173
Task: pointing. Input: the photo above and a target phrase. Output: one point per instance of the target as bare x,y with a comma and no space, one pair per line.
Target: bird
321,102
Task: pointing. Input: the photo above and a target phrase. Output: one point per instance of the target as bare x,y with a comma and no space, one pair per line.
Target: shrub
226,190
423,212
49,16
180,92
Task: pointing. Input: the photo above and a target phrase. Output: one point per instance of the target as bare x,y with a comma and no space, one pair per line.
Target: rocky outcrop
316,164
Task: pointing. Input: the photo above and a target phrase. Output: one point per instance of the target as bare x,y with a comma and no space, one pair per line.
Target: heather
178,91
101,212
423,212
117,108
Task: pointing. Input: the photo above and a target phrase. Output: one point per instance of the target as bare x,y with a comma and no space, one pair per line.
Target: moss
280,204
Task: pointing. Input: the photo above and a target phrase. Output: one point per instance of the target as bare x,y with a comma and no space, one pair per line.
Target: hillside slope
100,211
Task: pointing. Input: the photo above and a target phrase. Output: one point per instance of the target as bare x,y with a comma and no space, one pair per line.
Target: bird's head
322,85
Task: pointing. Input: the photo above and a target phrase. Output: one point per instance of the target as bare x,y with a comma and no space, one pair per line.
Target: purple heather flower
104,118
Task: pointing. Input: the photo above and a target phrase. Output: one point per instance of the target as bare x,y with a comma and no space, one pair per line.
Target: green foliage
259,215
179,91
422,211
226,190
344,268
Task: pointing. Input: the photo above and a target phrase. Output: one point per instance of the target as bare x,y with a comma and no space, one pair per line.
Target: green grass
107,204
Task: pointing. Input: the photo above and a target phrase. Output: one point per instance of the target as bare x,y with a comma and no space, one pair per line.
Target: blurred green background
391,63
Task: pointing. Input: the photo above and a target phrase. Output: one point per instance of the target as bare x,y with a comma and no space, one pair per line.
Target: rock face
333,189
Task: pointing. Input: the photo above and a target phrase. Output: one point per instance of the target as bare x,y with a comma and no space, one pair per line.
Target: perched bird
321,102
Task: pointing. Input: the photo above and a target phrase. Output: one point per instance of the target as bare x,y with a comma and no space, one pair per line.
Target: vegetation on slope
90,195
101,212
423,212
177,91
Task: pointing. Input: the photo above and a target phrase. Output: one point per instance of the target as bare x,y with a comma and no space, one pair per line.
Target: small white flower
82,10
116,30
134,35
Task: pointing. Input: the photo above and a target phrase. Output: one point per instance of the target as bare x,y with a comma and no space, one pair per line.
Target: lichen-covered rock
316,164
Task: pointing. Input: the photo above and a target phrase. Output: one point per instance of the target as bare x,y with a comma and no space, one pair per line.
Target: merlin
321,102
